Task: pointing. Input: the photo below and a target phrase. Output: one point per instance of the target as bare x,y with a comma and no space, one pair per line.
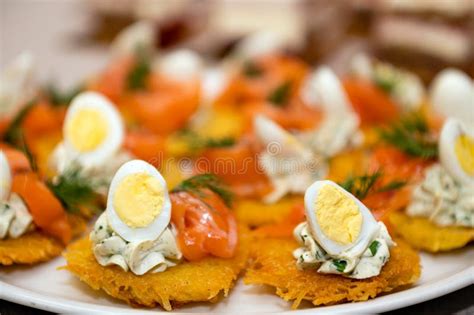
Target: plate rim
391,301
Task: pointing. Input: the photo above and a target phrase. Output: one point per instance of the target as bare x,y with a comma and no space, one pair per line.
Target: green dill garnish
386,85
196,184
340,264
373,247
251,70
29,155
394,185
411,135
136,79
360,186
196,142
14,134
280,95
61,98
386,78
74,189
219,143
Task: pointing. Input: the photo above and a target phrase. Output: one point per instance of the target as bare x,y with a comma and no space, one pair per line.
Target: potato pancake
421,233
204,280
256,213
274,265
36,247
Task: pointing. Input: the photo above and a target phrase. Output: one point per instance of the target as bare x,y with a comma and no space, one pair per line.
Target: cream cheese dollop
335,134
368,264
139,257
15,219
339,129
443,199
290,166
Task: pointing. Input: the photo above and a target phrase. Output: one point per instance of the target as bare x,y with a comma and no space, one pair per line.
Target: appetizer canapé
34,225
440,212
341,253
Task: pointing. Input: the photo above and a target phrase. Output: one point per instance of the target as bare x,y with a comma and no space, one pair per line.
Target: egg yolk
138,199
464,149
87,129
338,215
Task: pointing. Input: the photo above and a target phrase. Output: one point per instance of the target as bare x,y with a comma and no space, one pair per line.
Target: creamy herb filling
291,173
368,264
139,257
337,133
442,199
15,220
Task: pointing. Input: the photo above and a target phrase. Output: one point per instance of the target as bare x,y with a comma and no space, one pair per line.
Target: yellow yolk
138,199
464,149
338,215
87,130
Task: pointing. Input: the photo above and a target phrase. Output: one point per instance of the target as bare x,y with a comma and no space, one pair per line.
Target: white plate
47,288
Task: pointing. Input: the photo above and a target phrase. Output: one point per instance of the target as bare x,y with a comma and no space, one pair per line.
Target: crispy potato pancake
30,248
274,265
36,247
423,234
256,213
204,280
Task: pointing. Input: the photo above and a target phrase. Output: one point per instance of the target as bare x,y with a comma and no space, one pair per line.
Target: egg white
159,224
5,177
139,35
323,89
452,129
115,134
183,64
259,44
367,232
214,81
452,95
276,139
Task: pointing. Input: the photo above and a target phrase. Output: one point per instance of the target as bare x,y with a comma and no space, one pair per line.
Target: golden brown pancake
256,213
274,265
35,247
204,280
421,233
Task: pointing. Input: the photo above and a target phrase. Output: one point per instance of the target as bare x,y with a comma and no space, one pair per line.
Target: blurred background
70,37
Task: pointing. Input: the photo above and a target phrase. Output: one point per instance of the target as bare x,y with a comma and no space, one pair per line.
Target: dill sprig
360,186
136,79
279,97
197,183
387,85
62,98
251,70
219,143
411,134
73,189
394,185
14,134
196,142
